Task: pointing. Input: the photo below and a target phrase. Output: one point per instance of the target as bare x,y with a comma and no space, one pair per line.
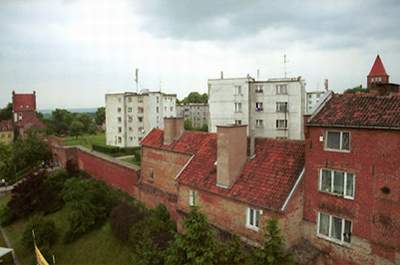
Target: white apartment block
313,99
275,107
130,116
196,112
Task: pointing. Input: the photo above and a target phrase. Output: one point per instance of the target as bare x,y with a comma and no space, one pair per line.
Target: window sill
336,242
336,150
251,227
337,195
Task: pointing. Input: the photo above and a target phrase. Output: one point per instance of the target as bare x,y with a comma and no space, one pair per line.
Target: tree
61,119
195,97
232,252
6,113
100,116
76,128
273,252
357,89
187,124
45,232
7,169
123,217
196,246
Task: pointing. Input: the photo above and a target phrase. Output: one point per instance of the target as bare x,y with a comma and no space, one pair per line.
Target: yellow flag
39,257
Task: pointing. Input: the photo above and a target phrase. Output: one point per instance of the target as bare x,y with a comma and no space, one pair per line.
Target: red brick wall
374,159
113,173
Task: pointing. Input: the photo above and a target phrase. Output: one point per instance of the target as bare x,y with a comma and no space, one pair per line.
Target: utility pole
285,61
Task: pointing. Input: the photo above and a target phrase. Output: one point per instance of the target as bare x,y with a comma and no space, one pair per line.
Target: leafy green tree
195,97
45,232
7,169
61,119
6,113
357,89
196,246
232,252
100,116
272,253
187,124
76,128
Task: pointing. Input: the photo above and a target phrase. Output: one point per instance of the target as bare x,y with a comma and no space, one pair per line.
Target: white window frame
259,123
238,122
282,106
329,237
238,90
285,123
332,183
192,198
253,212
340,141
238,107
279,89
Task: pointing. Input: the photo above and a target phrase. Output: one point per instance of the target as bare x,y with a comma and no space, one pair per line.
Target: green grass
96,247
131,160
86,140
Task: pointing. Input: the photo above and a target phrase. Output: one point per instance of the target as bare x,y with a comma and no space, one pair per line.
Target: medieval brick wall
375,210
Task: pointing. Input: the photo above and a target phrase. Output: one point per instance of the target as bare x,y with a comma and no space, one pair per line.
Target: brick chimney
173,129
231,153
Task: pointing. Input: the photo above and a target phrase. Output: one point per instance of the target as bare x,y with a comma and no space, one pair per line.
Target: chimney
231,153
173,129
222,74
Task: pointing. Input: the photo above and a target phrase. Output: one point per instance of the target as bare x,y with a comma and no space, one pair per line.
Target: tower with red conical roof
378,73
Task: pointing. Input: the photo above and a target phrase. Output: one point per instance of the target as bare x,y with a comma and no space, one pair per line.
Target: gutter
293,190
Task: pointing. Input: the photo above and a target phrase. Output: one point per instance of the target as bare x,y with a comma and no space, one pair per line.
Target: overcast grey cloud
73,51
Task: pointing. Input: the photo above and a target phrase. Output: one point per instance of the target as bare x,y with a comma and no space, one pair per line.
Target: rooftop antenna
137,79
160,84
285,61
258,74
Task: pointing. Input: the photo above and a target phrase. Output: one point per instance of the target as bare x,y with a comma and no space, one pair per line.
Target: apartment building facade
273,108
197,113
130,116
313,98
351,182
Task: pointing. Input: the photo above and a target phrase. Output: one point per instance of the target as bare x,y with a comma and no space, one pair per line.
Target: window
192,198
158,100
259,123
130,138
281,124
157,109
119,119
119,110
171,108
259,89
337,140
281,89
238,90
259,106
140,110
140,99
281,106
140,119
253,219
238,122
119,139
334,228
151,173
337,182
119,129
130,118
129,109
238,107
119,100
141,129
129,99
130,128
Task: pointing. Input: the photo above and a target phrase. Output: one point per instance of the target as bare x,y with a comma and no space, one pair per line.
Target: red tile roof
377,68
24,102
359,110
6,125
265,181
29,120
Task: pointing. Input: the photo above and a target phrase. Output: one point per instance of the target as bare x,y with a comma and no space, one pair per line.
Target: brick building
24,113
237,191
352,176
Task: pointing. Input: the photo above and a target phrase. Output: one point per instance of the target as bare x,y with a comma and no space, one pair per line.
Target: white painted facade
130,116
275,107
313,100
196,112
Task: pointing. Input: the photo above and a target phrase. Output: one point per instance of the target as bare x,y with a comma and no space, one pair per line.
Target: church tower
378,73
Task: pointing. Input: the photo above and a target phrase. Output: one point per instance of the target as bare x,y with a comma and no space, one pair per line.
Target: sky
72,52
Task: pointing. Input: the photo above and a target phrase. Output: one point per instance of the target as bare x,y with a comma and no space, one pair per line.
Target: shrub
123,217
90,203
45,232
6,216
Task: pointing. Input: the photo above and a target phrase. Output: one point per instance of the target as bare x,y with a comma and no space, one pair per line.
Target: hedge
112,150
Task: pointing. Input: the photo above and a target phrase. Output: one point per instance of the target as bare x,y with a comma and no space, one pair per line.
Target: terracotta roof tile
265,181
359,110
377,68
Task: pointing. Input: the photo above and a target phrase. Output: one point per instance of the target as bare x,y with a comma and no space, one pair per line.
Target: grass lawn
131,160
86,140
97,247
